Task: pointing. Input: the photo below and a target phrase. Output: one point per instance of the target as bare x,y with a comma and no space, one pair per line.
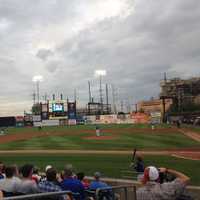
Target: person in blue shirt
72,184
97,183
2,170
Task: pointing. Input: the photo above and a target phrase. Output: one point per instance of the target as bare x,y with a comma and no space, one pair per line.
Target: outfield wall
7,121
133,118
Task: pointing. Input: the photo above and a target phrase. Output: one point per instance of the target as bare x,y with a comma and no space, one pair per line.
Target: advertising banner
71,110
36,118
45,107
155,117
140,118
72,122
108,119
19,118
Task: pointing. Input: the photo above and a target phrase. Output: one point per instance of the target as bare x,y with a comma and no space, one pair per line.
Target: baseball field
110,153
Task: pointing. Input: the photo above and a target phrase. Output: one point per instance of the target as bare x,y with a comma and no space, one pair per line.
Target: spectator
16,171
50,184
72,184
27,185
36,177
84,181
97,183
10,183
47,167
153,190
106,194
2,175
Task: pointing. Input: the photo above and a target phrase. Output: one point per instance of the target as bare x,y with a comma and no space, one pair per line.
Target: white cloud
4,24
66,41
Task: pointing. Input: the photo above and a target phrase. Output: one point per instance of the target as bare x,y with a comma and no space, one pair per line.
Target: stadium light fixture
100,72
37,79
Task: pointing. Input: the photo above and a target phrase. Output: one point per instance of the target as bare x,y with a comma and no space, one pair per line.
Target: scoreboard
57,109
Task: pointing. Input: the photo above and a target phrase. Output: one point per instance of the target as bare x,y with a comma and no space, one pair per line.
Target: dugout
7,121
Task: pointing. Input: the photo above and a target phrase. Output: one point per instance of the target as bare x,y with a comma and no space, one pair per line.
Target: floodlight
100,72
37,78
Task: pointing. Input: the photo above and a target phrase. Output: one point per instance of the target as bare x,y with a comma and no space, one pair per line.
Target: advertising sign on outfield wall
108,119
72,122
140,118
36,118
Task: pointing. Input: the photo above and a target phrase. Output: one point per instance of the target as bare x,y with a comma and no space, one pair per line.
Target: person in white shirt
27,186
10,183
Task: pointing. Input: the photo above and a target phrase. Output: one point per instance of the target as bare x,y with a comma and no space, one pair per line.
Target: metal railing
40,195
124,192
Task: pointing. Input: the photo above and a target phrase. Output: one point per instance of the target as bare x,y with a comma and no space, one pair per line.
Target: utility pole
34,97
107,98
122,106
75,96
114,99
101,93
90,97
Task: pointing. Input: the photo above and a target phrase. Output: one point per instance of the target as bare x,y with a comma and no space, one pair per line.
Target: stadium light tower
37,79
100,74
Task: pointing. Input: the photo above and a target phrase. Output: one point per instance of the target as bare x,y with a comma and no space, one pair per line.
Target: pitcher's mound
99,137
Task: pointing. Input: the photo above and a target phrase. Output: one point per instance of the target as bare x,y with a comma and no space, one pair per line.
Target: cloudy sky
135,41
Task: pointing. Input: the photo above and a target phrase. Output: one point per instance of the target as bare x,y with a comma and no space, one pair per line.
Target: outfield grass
19,130
126,138
109,165
125,141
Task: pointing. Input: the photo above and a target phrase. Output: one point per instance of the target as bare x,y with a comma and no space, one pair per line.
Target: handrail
32,196
113,188
96,193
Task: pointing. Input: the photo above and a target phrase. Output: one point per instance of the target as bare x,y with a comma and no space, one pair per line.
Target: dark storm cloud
73,39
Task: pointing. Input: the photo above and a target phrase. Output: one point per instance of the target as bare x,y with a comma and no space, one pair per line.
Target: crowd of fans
27,180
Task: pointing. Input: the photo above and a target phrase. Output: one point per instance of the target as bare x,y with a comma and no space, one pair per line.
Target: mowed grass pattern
109,165
124,138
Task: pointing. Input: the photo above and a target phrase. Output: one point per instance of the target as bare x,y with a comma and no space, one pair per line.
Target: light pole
37,79
100,74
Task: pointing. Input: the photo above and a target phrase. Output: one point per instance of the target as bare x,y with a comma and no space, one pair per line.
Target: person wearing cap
47,167
97,183
153,190
72,184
